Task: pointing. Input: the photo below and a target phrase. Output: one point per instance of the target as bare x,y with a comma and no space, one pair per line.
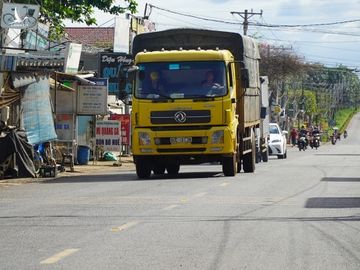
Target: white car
277,142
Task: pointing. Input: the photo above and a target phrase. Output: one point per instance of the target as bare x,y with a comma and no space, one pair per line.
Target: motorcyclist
345,134
303,133
315,132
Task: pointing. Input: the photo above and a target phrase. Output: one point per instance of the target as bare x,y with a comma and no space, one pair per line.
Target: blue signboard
109,66
37,114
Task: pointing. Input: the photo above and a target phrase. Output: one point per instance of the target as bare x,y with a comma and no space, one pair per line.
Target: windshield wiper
200,98
163,98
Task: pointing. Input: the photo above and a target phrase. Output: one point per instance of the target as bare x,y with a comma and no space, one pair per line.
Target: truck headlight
217,137
144,138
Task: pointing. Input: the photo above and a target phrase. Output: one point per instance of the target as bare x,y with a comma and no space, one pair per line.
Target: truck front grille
180,117
178,150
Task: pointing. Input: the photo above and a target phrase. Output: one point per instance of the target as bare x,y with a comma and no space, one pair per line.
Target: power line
246,15
194,16
304,25
250,23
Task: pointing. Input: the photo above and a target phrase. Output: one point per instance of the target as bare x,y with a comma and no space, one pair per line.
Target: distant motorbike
315,141
333,139
302,143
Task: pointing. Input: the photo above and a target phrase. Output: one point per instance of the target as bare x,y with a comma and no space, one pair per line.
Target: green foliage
82,11
310,102
343,116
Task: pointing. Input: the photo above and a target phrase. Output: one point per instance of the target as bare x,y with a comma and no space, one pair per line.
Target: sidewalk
126,164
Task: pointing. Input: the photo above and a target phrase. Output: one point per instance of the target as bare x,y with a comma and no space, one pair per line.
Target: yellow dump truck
195,100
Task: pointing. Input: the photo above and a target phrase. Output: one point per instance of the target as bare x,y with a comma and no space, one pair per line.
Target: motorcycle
302,143
315,142
345,134
333,139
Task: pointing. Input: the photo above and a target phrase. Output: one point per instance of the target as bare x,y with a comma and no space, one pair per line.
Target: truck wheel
173,169
258,156
238,159
249,158
159,169
143,169
265,156
229,165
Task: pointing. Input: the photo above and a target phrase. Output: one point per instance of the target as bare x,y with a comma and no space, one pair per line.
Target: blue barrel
83,154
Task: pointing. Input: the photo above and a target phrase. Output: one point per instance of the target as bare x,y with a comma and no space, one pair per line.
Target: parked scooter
302,143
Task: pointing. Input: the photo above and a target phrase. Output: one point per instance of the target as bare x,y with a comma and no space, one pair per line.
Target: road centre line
125,226
59,256
170,207
224,184
202,194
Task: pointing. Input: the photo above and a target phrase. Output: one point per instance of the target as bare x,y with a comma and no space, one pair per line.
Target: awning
75,77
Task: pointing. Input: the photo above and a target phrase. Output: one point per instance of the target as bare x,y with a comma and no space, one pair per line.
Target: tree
55,12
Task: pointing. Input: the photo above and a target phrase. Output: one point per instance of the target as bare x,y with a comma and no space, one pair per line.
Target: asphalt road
298,213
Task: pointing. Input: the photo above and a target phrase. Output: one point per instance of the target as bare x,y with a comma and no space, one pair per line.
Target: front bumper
276,149
190,142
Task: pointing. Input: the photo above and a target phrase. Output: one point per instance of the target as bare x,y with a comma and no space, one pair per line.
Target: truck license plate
175,140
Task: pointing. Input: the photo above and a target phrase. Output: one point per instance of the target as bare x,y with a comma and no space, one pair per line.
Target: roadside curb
126,164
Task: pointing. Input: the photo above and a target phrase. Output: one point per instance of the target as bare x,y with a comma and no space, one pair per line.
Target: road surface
298,213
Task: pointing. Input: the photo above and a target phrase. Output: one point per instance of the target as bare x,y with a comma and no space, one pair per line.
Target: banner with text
108,135
124,119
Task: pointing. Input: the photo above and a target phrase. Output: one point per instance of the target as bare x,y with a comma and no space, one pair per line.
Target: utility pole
246,15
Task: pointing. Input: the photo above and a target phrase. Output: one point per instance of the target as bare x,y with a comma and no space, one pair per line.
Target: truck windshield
181,80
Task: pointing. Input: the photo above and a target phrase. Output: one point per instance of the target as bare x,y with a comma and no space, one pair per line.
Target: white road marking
125,226
170,207
224,184
184,200
59,256
202,194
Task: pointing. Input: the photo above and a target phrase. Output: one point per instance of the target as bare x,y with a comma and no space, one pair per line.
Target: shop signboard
124,119
108,135
64,127
72,58
109,66
92,99
19,16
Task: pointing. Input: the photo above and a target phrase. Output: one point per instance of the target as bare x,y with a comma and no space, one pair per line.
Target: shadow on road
341,179
333,202
129,177
339,155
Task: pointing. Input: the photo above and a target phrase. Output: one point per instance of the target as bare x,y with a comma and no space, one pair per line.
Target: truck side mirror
263,112
245,78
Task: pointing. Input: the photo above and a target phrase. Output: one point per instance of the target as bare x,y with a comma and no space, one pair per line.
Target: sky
329,45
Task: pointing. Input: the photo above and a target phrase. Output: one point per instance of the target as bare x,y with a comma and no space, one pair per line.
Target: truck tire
249,158
143,168
265,156
229,165
159,169
258,156
173,169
